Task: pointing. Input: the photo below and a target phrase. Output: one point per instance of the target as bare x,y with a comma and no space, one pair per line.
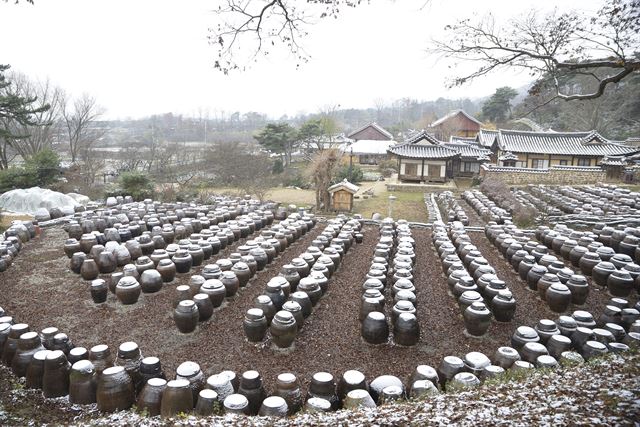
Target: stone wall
555,175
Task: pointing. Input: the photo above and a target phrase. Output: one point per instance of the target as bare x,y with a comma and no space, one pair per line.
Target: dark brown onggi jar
28,345
186,316
55,381
128,290
82,383
283,329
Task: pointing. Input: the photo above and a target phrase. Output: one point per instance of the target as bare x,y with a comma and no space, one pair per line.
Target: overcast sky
143,57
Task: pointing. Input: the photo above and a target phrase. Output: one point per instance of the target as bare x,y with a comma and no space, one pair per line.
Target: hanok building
456,123
370,144
540,150
423,158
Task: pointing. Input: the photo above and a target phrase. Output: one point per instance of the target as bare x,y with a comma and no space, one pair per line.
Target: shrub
388,167
352,174
45,167
14,177
135,184
278,167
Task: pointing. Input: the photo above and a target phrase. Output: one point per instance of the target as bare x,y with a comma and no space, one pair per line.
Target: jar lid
128,350
188,369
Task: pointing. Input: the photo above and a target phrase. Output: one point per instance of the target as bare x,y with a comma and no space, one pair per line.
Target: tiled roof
468,151
375,126
453,114
344,184
423,151
569,143
464,139
486,137
508,156
422,135
367,146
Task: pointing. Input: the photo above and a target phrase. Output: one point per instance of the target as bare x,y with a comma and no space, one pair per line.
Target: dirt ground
39,289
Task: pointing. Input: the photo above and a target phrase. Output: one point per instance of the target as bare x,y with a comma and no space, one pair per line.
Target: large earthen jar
477,319
186,316
283,329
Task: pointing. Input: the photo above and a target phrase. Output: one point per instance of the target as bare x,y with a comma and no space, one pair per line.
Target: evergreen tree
15,108
498,108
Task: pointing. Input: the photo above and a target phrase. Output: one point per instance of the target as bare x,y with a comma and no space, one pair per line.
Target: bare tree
552,46
249,28
321,171
79,117
37,135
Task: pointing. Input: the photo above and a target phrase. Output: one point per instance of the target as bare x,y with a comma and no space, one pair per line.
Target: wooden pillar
422,172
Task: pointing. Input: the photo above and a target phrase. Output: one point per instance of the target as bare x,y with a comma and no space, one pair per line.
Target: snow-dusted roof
508,156
344,185
453,114
462,139
569,143
486,137
368,146
375,126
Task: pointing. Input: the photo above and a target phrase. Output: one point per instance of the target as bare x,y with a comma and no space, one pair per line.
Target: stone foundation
555,175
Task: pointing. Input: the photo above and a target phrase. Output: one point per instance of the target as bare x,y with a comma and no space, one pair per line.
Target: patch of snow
28,201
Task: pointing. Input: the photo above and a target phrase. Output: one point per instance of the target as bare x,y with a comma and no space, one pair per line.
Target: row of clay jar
452,209
389,282
485,207
95,254
162,266
616,271
555,282
480,294
19,233
196,302
289,298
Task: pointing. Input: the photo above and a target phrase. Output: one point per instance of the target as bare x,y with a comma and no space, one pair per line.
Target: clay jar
107,262
304,301
150,397
525,265
191,372
375,329
99,291
183,261
55,381
216,291
28,345
264,303
251,387
89,269
290,273
150,281
205,307
558,296
523,335
620,283
477,319
82,383
406,330
576,255
11,343
545,282
534,275
35,370
167,270
100,356
128,290
230,282
283,329
243,273
588,261
76,261
255,325
503,306
323,386
601,272
310,286
176,398
288,388
186,316
579,288
505,357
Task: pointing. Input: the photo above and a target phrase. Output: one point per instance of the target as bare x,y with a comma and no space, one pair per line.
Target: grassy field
408,205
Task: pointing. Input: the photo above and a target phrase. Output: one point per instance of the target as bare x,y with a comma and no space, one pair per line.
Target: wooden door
434,171
411,169
342,201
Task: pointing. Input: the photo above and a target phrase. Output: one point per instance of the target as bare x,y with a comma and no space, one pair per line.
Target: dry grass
408,205
6,218
288,196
